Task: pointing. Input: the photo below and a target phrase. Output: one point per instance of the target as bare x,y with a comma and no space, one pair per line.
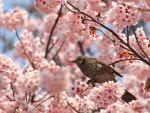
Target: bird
100,72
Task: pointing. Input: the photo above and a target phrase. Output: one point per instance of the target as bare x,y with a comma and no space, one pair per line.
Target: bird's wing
117,73
103,64
104,77
100,62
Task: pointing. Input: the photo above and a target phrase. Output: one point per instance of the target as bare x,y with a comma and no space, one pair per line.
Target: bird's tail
127,97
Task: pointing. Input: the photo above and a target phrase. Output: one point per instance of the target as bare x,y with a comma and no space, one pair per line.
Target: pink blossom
4,106
99,6
139,105
84,104
118,107
29,81
79,88
9,68
46,6
60,104
55,81
25,38
26,47
2,82
124,16
106,94
15,19
32,24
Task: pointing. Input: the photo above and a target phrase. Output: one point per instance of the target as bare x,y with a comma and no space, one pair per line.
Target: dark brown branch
81,47
25,50
43,101
12,90
26,97
123,60
40,98
52,46
124,48
16,110
105,35
85,19
10,98
69,8
128,33
58,50
114,33
52,30
32,98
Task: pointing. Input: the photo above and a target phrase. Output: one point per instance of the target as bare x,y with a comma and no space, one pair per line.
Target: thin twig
25,50
124,48
29,97
15,110
69,9
139,44
85,19
40,98
52,30
43,101
12,90
52,46
32,98
81,47
128,33
123,60
26,96
58,50
10,98
106,35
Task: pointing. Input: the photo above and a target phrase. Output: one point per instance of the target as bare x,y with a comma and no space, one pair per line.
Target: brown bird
100,72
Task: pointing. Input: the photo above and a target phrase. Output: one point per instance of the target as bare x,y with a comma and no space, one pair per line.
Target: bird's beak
73,61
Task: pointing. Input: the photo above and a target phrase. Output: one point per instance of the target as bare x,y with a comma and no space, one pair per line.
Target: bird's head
79,60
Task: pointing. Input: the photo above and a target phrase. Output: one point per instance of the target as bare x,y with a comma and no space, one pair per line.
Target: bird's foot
91,82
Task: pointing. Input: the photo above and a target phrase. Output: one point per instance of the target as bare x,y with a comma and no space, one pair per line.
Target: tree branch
81,48
58,50
25,50
43,101
52,30
52,46
123,60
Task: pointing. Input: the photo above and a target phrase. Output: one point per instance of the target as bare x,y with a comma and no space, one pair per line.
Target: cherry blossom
15,19
59,78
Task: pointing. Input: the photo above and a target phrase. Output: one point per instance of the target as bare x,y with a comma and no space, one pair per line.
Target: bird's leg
91,81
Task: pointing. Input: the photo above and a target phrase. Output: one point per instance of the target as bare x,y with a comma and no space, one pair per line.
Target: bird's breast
89,67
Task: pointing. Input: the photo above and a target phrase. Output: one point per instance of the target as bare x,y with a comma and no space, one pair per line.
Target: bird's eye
79,58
